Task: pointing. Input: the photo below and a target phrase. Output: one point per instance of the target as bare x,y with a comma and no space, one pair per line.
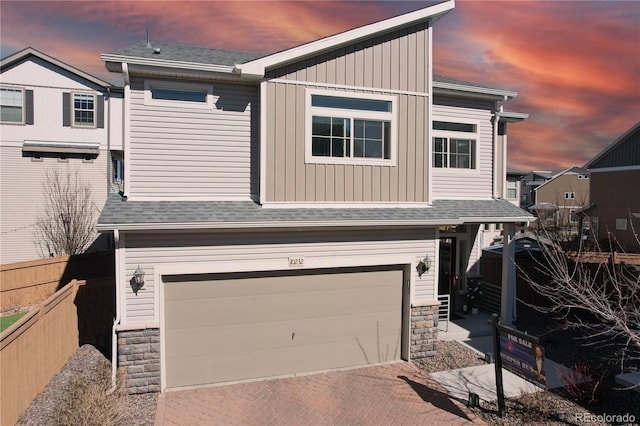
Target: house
561,197
615,190
530,182
307,208
491,233
55,119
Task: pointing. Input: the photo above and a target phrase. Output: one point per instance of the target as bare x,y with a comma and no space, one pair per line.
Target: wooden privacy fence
29,283
34,349
614,258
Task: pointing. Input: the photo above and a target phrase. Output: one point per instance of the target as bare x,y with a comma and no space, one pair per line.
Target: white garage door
221,328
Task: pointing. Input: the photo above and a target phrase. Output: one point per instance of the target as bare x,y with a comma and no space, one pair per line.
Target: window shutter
28,104
66,109
100,112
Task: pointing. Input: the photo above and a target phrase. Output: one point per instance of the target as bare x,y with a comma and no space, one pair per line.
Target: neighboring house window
512,189
569,195
84,110
573,218
16,106
350,128
454,145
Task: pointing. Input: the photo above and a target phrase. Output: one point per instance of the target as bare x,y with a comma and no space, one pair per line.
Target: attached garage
226,327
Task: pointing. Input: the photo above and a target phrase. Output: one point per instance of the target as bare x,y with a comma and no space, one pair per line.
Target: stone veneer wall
139,356
424,331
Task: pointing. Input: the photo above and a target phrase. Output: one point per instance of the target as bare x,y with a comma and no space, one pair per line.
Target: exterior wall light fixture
137,282
423,266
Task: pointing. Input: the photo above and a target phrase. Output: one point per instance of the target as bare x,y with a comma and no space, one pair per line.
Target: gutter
281,225
135,60
116,321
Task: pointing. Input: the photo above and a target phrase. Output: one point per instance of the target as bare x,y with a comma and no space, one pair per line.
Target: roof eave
109,58
256,69
106,227
30,51
443,88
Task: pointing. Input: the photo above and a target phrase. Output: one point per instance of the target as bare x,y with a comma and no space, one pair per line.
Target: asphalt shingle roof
186,53
203,214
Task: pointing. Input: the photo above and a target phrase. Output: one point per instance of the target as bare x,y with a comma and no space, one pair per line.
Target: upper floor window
11,105
16,105
454,145
512,189
84,110
350,128
178,94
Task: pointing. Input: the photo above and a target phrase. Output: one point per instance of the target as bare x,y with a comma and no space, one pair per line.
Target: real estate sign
522,354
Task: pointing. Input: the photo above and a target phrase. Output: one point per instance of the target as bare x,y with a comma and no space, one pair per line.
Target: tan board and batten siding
396,63
461,183
177,151
231,252
246,326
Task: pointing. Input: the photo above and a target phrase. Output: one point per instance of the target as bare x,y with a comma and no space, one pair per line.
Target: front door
447,279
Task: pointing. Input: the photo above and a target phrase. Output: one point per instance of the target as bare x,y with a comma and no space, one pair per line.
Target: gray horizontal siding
459,183
189,152
152,250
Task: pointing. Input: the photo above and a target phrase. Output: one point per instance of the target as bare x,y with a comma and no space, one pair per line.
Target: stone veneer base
424,331
139,357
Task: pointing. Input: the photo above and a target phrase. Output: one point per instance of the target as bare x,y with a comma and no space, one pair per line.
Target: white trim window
183,95
512,189
12,105
350,128
84,110
454,145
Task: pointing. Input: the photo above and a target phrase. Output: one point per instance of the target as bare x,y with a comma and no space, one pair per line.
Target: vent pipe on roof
148,43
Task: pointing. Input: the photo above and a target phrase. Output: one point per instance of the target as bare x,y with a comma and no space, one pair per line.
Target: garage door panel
219,330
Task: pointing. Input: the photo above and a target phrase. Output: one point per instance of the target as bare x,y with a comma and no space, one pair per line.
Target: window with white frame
350,128
84,110
454,145
11,105
569,195
178,94
512,189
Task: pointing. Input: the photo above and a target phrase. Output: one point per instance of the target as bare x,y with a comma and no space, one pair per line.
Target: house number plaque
296,262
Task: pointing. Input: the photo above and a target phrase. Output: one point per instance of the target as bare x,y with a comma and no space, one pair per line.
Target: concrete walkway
391,394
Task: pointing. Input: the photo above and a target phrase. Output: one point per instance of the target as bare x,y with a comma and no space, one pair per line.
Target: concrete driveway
390,394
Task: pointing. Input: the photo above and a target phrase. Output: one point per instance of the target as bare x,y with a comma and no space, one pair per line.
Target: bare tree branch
67,223
592,292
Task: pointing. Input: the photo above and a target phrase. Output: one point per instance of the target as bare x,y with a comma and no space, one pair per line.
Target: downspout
126,126
109,162
496,122
116,321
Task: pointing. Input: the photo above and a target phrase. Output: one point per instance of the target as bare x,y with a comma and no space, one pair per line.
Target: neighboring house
615,190
491,233
567,193
304,209
530,182
54,118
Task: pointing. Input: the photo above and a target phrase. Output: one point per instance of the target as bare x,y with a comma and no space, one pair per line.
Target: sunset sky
575,64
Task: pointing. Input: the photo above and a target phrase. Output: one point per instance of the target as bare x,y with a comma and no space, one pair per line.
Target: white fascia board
496,93
512,117
507,219
256,68
254,225
163,63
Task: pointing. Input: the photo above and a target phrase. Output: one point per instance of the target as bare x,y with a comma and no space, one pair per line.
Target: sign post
494,322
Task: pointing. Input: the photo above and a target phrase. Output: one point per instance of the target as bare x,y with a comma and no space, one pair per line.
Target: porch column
508,303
